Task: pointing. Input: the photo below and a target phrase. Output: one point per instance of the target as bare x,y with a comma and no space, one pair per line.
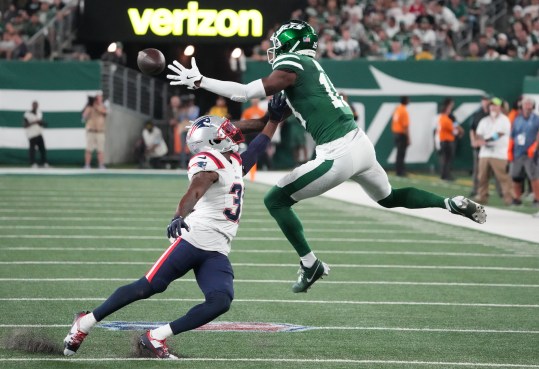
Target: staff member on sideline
33,124
399,127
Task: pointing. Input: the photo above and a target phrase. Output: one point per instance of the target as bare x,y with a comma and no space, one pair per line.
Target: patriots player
343,150
209,212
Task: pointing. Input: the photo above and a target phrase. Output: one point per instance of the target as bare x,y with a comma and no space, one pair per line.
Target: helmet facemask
211,132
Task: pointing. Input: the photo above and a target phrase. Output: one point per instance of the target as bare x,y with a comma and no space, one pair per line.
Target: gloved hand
277,107
184,76
174,229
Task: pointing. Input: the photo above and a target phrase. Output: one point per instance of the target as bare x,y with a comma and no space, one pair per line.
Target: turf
403,292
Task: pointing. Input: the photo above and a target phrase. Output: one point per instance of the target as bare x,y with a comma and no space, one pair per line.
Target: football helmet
294,36
212,132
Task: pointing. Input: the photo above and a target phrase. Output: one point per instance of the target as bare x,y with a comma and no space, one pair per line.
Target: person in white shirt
33,124
155,146
492,135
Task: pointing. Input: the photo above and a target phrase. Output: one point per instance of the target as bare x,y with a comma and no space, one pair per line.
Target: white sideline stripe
390,283
323,302
453,267
399,329
277,360
268,239
240,251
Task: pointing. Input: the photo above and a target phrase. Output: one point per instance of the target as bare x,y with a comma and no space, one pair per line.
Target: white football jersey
214,221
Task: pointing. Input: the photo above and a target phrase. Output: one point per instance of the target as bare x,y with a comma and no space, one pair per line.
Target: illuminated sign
201,21
196,22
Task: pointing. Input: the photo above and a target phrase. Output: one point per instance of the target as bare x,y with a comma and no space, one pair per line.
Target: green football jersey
314,100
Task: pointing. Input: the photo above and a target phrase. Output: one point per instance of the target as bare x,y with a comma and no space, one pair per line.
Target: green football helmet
295,36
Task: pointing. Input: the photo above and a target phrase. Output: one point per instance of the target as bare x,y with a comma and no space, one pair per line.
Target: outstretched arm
277,81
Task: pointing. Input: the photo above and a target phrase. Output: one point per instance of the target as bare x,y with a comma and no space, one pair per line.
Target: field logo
210,327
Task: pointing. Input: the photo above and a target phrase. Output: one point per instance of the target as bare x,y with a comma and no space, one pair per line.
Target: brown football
151,61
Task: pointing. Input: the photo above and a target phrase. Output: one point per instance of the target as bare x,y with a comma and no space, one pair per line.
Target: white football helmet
212,132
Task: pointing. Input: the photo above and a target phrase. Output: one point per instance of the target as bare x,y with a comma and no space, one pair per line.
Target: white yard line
290,251
182,280
236,239
286,360
268,265
276,301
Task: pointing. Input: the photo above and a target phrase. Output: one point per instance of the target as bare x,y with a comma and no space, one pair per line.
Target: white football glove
184,76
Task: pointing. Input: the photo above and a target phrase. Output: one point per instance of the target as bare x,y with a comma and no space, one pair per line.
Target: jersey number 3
234,214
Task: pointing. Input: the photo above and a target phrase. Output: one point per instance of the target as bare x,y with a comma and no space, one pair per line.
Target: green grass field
403,292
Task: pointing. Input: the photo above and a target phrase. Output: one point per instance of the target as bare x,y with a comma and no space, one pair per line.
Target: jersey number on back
234,214
336,99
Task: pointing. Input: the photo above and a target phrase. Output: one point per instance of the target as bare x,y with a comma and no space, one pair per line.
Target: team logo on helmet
294,36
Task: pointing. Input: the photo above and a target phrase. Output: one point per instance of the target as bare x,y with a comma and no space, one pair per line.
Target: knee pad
219,301
276,198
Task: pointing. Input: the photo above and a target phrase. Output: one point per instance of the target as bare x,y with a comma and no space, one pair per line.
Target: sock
161,332
412,198
87,322
308,260
279,205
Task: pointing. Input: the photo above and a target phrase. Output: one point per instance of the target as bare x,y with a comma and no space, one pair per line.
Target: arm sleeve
255,148
234,91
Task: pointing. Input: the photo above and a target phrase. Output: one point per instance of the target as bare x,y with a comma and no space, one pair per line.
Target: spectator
491,53
503,44
473,51
418,8
220,108
424,30
532,9
94,115
448,131
32,7
46,12
115,54
444,16
173,111
523,43
20,51
425,53
482,112
260,52
33,26
254,111
347,47
396,53
189,112
392,27
399,127
523,151
492,136
151,147
33,124
351,8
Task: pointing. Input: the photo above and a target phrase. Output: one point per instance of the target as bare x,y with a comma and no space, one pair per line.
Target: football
151,61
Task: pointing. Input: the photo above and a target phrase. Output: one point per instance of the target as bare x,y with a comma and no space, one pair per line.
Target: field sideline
403,292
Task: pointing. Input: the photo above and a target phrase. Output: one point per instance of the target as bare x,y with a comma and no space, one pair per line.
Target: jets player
209,213
343,150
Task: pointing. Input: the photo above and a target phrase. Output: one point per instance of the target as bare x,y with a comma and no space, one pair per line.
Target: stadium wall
62,90
374,88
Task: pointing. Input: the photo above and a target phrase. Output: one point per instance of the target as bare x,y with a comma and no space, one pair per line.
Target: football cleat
75,336
467,208
307,276
157,348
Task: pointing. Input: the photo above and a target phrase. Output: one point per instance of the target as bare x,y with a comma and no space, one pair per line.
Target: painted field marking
336,328
285,360
236,239
389,283
322,302
453,267
245,251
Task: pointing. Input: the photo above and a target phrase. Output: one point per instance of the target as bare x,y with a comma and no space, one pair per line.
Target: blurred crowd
421,29
21,20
